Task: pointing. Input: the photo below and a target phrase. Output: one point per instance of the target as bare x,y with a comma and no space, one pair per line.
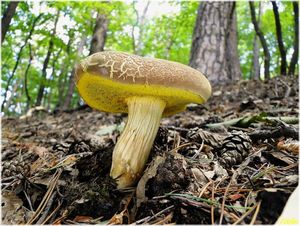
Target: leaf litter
222,162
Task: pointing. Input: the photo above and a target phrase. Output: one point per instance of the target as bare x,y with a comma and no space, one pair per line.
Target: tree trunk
255,72
294,59
140,21
62,75
71,85
282,50
97,45
18,60
14,93
45,64
99,34
7,16
214,47
28,101
262,40
48,96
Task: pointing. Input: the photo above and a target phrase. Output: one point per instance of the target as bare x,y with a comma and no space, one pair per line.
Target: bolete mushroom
146,89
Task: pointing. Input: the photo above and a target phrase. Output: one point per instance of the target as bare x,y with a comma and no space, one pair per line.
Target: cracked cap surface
106,79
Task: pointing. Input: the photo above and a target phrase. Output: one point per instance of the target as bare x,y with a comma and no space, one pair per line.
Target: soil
222,162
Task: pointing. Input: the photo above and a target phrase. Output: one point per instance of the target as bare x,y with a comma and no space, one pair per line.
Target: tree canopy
42,42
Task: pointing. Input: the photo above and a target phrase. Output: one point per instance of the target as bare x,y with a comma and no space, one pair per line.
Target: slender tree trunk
28,101
7,16
48,98
62,75
45,64
214,47
97,45
99,34
71,85
262,40
169,44
281,47
18,60
14,94
294,59
140,21
255,72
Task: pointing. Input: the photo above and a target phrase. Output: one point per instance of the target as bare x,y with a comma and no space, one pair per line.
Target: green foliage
168,36
246,34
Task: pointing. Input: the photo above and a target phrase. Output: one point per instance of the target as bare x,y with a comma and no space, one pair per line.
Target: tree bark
262,40
99,34
62,76
140,21
281,47
48,96
255,72
97,45
45,64
214,46
18,60
294,59
71,85
7,16
28,101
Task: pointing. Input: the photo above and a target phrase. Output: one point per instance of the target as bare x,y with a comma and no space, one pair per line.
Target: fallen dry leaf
291,147
149,173
12,211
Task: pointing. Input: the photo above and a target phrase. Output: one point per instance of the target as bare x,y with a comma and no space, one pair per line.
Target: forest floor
223,162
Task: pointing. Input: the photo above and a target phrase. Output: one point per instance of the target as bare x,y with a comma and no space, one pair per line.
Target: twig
204,188
28,200
288,88
255,213
212,207
3,180
163,221
245,215
199,200
283,130
51,214
177,148
199,150
46,197
147,219
223,201
47,208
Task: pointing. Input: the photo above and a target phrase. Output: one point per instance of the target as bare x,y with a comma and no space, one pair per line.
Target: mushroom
145,88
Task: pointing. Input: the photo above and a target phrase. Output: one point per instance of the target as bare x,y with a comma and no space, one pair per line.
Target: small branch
283,130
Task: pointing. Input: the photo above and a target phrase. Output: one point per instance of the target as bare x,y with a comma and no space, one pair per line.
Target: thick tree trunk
18,60
262,40
214,47
281,47
7,16
45,64
99,34
294,59
255,72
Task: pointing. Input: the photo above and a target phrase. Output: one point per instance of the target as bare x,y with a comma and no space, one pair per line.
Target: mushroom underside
110,96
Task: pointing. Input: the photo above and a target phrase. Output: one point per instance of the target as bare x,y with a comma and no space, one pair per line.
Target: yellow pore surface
110,96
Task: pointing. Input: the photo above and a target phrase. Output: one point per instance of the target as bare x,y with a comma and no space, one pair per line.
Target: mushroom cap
106,79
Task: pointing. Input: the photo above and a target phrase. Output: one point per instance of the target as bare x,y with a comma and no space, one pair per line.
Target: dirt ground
224,162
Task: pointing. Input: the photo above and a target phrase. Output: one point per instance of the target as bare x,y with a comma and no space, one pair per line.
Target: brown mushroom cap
106,79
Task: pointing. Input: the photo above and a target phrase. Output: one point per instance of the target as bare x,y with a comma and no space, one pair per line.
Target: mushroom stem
133,147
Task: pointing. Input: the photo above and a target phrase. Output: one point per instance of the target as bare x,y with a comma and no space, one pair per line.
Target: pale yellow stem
133,147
